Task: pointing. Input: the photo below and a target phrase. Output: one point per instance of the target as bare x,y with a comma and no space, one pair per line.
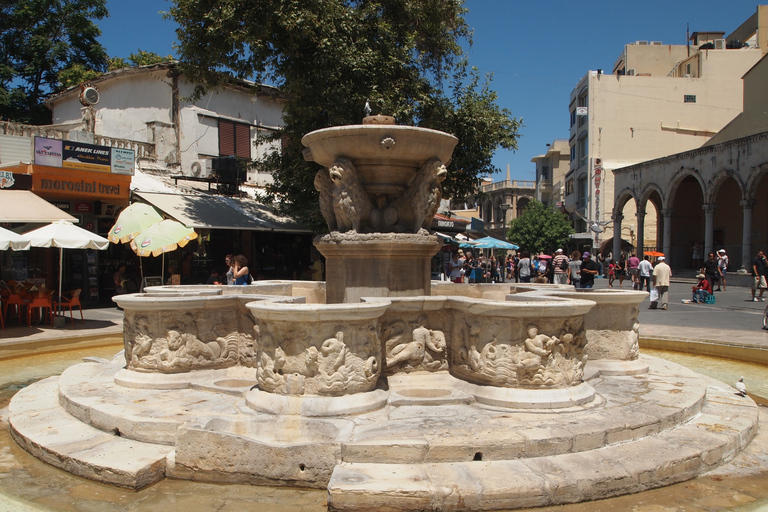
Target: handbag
654,295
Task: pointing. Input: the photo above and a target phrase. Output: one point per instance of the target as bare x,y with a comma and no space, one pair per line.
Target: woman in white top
524,267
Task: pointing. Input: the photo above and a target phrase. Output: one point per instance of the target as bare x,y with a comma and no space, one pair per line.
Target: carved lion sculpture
422,197
351,204
324,185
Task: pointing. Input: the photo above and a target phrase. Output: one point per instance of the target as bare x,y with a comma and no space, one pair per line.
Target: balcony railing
142,149
499,185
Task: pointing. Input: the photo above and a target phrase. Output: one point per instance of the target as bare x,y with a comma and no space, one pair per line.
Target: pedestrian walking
661,275
561,266
722,264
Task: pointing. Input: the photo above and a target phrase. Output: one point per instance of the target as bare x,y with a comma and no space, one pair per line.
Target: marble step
88,392
40,426
726,424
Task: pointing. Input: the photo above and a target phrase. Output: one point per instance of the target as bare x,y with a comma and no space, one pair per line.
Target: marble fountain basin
478,397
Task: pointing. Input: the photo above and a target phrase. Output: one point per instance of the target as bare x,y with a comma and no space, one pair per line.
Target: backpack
564,264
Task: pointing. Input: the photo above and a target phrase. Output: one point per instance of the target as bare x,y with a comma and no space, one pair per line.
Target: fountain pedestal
387,265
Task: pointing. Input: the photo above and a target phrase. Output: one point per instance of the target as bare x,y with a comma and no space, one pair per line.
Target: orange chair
69,300
17,302
43,303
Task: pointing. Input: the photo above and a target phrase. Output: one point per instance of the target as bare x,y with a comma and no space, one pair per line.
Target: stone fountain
379,192
391,392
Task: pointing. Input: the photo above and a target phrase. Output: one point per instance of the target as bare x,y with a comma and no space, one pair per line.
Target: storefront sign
61,205
86,157
6,179
48,152
123,161
80,185
83,156
83,207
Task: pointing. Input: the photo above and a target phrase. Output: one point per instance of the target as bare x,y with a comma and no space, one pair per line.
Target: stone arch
714,185
682,174
756,175
486,210
757,200
498,213
727,193
686,199
522,204
622,198
652,201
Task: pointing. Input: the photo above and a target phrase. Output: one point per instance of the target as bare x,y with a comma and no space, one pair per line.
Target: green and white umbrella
131,221
162,237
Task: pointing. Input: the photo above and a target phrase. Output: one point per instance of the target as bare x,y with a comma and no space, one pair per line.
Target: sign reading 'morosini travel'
83,156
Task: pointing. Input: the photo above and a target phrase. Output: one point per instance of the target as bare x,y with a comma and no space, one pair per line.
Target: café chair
17,302
42,302
69,300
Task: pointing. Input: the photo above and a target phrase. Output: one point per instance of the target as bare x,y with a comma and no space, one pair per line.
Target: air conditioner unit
719,44
631,72
200,168
641,43
656,43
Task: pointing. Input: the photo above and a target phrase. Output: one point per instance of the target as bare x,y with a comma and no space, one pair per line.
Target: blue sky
537,51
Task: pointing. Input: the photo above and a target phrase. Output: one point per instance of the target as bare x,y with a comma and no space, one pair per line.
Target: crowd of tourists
578,270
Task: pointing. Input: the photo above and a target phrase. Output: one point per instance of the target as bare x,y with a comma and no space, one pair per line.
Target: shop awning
23,206
219,212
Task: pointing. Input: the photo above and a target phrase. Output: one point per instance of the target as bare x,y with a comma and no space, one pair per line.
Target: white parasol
65,235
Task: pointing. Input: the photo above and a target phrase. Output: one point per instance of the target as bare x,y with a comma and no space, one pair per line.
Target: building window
582,202
569,187
545,173
689,98
583,149
573,117
573,153
582,103
234,139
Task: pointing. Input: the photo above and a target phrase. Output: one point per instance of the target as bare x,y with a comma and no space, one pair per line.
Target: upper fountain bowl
387,156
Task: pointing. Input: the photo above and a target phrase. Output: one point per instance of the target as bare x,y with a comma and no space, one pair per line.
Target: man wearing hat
702,290
589,270
722,264
558,262
661,275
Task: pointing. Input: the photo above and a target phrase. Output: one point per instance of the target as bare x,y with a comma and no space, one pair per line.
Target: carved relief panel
516,352
304,358
178,341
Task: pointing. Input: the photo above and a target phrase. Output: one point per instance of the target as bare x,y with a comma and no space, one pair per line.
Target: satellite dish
89,96
595,227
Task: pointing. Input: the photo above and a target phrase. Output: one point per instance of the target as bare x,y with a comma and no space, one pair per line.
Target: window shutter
226,138
243,141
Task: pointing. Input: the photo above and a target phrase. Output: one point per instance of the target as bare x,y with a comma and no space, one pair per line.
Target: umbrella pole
61,273
162,270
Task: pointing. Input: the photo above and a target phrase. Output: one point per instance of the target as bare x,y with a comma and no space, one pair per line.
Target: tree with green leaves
328,57
39,39
540,229
78,73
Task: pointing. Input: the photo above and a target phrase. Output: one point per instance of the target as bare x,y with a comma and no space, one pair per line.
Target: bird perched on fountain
741,387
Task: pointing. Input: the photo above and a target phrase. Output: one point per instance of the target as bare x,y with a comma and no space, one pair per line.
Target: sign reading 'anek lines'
82,156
